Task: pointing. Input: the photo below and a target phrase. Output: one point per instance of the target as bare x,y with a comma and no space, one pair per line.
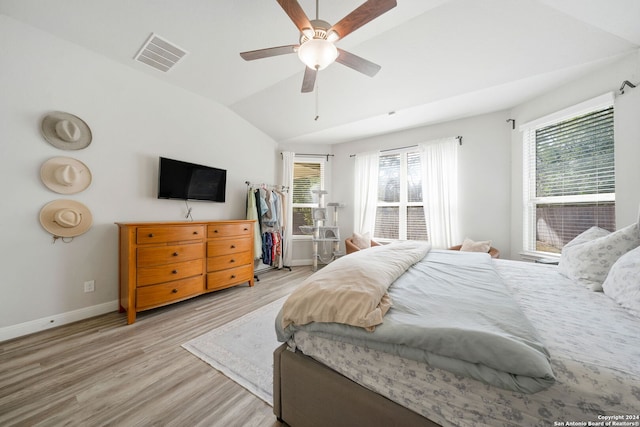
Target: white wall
134,119
484,173
626,134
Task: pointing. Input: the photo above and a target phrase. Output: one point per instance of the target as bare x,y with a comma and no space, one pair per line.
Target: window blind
400,210
575,157
570,175
307,177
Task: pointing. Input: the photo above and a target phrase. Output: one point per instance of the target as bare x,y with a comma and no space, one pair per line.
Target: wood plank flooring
101,371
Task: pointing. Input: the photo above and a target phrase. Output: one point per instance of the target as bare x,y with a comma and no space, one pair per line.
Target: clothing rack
269,236
283,188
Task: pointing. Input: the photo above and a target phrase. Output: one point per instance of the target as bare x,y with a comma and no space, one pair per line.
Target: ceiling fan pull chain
317,101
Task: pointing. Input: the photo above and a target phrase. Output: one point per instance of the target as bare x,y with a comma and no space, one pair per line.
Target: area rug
243,349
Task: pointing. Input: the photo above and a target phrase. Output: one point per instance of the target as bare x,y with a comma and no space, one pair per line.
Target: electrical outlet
90,286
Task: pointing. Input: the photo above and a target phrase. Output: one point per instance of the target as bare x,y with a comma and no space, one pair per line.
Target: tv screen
188,181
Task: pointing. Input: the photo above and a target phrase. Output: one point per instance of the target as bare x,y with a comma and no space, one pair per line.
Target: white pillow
589,262
469,245
623,281
586,236
362,241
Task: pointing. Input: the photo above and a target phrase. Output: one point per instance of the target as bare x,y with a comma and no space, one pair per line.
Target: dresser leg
131,316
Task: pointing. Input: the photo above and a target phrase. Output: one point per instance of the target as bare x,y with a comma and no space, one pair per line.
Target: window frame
322,163
530,199
403,204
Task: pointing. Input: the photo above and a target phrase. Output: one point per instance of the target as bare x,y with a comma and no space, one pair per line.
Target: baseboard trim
33,326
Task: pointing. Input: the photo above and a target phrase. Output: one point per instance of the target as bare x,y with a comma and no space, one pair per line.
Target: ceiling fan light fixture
309,32
317,54
332,36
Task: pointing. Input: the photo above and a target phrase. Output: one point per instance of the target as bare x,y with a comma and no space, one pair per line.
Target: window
400,207
569,175
308,175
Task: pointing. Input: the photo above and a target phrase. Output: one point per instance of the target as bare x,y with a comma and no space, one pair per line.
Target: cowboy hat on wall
66,131
65,218
65,175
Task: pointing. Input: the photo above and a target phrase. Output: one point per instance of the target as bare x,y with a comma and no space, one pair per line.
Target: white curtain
288,158
366,192
440,190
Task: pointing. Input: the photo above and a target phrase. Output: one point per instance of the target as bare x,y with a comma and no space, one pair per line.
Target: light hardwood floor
101,371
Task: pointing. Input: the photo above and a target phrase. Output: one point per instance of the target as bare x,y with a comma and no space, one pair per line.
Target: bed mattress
595,355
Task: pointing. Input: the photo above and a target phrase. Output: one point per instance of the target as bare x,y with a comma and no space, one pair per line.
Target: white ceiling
441,59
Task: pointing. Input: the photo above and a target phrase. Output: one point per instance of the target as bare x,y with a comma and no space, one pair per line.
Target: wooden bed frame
307,393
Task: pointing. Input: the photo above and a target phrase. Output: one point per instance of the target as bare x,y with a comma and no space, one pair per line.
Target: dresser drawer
169,254
223,262
228,246
232,276
157,295
228,230
159,234
168,272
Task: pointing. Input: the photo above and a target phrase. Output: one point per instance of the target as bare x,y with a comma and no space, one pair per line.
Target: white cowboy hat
65,175
65,131
65,218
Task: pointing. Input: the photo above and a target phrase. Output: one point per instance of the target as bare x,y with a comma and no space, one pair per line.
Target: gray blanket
452,311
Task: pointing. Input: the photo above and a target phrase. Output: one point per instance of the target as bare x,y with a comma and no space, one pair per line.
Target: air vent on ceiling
159,53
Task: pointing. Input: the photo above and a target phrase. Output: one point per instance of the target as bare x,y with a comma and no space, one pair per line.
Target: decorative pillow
623,281
362,241
469,245
589,262
586,236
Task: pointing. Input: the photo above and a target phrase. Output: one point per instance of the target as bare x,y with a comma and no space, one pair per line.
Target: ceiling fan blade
270,51
309,80
357,63
293,9
366,12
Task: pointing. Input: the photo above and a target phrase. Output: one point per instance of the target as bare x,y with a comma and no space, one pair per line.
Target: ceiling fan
317,37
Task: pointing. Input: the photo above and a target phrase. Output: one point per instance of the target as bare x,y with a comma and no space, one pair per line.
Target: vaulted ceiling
441,59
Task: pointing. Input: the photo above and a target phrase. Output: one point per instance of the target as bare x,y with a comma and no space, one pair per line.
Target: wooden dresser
165,262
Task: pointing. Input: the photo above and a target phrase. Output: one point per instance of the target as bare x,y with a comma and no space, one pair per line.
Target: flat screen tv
188,181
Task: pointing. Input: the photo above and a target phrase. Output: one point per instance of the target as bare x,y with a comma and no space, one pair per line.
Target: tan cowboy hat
66,131
65,218
65,175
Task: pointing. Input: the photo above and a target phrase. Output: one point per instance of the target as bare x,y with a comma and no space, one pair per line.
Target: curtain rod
626,83
313,155
459,138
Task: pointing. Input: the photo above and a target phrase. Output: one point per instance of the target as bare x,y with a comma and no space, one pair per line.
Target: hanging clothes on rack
266,204
252,213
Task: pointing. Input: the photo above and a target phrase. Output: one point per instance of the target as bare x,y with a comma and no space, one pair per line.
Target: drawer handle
150,234
233,246
195,232
233,260
174,291
215,231
233,276
174,272
246,229
175,254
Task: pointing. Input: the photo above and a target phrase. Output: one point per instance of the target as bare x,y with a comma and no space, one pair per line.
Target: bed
588,339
